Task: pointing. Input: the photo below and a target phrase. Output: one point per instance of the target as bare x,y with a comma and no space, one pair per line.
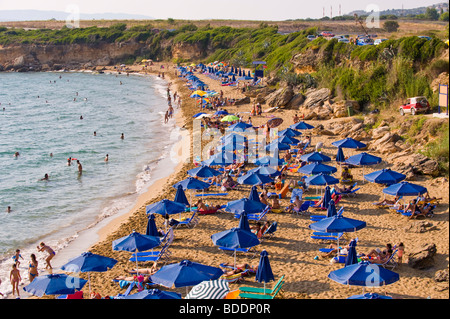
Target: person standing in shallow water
80,167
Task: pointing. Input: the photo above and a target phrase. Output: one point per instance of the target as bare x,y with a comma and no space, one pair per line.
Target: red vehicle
413,105
327,34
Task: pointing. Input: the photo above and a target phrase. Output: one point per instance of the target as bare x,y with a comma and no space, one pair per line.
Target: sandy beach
291,251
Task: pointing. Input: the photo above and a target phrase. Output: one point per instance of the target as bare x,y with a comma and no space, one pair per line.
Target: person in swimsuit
51,254
14,277
32,268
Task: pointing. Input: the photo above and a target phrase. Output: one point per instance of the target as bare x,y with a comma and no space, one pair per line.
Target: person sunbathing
334,249
388,202
145,271
379,256
295,206
200,205
275,202
345,189
241,267
346,175
422,210
263,198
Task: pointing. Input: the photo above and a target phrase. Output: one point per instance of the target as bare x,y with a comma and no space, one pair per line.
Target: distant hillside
405,12
38,15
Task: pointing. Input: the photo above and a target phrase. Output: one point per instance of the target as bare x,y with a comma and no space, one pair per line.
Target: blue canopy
363,159
385,176
239,127
87,262
289,132
264,272
340,155
243,222
349,143
136,242
221,112
164,207
254,194
185,273
151,230
287,140
153,294
235,238
352,257
245,205
326,198
364,274
301,126
54,284
198,114
222,158
405,189
266,170
317,168
203,171
180,196
321,179
254,178
192,183
276,145
338,224
315,157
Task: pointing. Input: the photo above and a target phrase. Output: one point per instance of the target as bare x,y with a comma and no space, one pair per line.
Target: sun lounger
261,290
268,233
211,194
163,255
328,236
251,251
316,218
189,222
275,291
256,217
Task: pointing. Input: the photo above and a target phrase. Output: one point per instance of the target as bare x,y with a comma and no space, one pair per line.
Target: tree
391,26
431,14
444,16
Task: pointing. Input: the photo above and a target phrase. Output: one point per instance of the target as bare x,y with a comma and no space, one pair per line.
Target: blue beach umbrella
180,196
405,189
222,158
151,229
254,194
349,143
54,284
340,158
239,127
269,160
266,170
317,168
276,145
221,112
192,183
287,140
165,207
326,198
254,178
264,272
289,132
243,222
203,171
331,211
321,179
338,224
185,273
364,274
88,262
363,159
301,126
385,176
315,157
154,294
352,257
198,114
245,205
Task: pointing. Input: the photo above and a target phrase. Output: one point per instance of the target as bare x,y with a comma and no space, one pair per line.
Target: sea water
50,117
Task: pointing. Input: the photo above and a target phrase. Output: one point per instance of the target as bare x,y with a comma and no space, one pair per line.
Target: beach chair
316,218
189,222
282,193
251,251
391,262
162,255
327,236
258,293
270,231
258,217
304,208
76,295
351,192
296,192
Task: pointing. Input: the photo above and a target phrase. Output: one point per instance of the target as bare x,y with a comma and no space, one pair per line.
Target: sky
274,10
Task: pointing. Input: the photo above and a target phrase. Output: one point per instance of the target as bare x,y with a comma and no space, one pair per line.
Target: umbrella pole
89,279
137,269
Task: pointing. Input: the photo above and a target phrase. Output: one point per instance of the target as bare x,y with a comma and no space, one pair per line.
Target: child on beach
51,254
16,257
14,277
401,250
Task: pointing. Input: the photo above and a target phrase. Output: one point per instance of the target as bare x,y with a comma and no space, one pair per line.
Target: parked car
424,37
311,37
378,41
413,105
345,40
364,41
326,34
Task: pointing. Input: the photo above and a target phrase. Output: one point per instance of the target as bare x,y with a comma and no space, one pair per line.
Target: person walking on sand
51,253
14,277
32,268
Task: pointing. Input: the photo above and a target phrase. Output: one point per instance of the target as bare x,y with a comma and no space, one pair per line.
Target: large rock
422,257
441,275
420,163
296,101
379,132
245,100
280,97
316,98
419,227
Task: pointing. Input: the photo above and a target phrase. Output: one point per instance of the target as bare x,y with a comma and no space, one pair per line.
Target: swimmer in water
80,168
106,158
45,178
16,154
122,136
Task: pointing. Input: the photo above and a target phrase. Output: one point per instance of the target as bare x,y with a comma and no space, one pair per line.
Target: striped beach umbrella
212,289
